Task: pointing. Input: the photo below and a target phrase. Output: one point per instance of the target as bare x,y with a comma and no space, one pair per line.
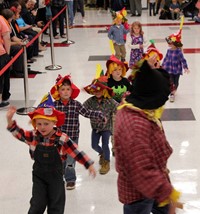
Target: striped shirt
63,143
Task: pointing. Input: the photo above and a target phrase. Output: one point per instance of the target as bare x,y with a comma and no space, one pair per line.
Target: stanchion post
53,66
25,110
67,29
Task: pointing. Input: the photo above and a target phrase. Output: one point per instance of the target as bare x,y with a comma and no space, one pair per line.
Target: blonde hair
112,66
136,23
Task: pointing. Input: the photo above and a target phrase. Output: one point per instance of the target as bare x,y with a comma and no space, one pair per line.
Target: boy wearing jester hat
116,34
49,147
101,100
65,92
174,61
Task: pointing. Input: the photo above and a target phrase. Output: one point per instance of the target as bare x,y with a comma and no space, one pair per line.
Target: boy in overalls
48,148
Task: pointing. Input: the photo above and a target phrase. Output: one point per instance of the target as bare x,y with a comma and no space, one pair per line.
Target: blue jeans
70,12
69,167
105,143
145,206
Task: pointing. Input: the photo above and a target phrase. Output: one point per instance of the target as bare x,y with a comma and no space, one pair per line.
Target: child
48,148
65,92
174,60
197,17
175,9
136,42
101,101
116,34
116,71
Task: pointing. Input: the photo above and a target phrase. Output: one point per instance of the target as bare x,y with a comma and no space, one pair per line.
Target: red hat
175,39
49,113
99,84
59,82
152,50
112,59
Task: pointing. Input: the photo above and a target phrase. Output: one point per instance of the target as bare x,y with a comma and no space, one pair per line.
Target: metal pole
69,42
53,66
25,110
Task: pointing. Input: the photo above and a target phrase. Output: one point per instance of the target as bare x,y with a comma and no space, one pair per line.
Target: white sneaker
84,21
74,22
171,98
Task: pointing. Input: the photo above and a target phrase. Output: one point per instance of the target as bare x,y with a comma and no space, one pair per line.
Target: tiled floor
181,119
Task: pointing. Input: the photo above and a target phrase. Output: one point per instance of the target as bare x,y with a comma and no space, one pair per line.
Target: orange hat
99,84
59,82
112,59
152,50
49,113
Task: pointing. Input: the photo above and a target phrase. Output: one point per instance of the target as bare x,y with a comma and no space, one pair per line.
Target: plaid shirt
174,61
107,106
64,144
72,111
141,154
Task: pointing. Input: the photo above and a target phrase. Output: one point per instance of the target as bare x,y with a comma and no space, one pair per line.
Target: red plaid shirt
64,144
141,152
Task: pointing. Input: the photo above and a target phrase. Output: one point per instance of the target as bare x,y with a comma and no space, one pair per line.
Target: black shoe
138,15
4,104
33,72
133,15
39,56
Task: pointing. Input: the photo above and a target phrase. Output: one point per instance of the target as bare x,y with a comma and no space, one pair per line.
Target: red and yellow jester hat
151,50
59,82
49,113
114,59
175,38
99,84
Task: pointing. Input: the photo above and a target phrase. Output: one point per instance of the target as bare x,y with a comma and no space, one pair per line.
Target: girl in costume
101,100
136,42
174,61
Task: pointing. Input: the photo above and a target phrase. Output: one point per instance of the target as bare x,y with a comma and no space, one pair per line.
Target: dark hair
7,13
66,82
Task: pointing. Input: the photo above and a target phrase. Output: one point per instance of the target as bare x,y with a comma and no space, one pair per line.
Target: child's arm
129,43
184,62
11,111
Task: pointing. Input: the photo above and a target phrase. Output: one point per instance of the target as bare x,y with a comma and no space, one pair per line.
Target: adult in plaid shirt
64,92
141,148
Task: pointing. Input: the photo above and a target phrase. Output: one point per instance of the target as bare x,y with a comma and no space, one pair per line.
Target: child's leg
154,8
38,201
123,53
150,8
95,141
117,51
69,170
105,167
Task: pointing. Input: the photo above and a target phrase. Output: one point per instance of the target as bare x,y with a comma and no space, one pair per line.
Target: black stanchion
25,110
53,66
69,42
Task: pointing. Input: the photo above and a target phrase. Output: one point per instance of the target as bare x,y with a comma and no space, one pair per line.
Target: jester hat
59,82
122,12
151,50
99,84
114,59
175,38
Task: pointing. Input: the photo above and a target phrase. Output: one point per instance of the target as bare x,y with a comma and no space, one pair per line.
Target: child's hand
92,171
187,71
11,111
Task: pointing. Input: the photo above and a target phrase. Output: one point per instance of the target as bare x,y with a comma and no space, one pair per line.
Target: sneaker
84,21
70,185
4,104
171,98
105,167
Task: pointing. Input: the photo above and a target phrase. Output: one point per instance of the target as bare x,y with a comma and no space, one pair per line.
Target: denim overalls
48,185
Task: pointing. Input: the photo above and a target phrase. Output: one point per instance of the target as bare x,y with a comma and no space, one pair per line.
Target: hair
136,23
14,6
66,82
7,13
112,66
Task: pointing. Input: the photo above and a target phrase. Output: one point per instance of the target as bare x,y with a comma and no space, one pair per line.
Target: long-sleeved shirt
141,154
174,61
116,34
63,143
72,110
108,106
